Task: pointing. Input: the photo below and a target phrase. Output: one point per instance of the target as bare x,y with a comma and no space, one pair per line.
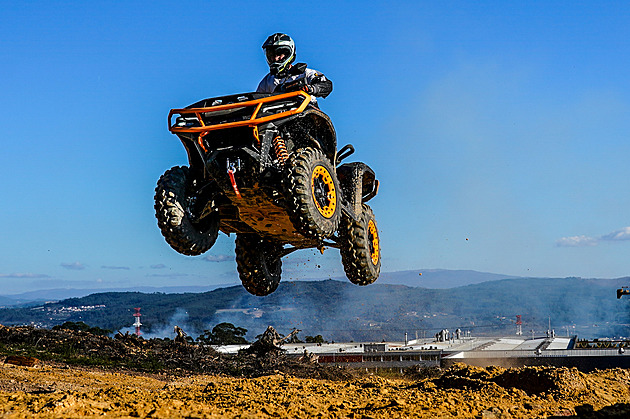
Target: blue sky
498,131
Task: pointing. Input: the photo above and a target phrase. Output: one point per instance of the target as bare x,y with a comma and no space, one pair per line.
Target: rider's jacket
297,73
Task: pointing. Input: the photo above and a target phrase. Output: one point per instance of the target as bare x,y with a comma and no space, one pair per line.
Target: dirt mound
531,380
539,380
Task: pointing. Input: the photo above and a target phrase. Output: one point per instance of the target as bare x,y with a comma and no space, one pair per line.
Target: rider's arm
321,88
318,84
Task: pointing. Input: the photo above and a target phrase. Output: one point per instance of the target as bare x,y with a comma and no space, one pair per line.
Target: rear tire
172,211
258,263
313,194
360,248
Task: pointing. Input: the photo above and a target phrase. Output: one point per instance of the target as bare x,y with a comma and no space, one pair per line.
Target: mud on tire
313,194
360,248
172,212
258,263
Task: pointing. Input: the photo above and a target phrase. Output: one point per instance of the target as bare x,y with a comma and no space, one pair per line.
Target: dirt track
463,392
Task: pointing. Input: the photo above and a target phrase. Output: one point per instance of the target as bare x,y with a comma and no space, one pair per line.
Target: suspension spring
281,149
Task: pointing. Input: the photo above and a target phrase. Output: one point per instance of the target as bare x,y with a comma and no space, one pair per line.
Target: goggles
273,52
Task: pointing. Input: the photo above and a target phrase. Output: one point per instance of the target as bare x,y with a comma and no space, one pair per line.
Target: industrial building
512,351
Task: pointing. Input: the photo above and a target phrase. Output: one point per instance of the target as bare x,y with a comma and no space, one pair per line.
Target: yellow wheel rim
323,191
373,240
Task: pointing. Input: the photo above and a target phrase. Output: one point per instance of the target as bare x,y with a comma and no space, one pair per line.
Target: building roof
467,344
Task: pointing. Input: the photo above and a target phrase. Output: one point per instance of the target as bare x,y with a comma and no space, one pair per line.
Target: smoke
337,310
574,306
341,311
179,318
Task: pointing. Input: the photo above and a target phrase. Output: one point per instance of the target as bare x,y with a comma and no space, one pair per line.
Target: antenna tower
137,323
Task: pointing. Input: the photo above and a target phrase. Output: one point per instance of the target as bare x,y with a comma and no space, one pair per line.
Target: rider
284,77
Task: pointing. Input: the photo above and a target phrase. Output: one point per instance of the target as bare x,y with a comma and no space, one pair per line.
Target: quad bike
266,167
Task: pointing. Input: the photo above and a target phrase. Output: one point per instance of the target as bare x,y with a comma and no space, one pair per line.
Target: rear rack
247,117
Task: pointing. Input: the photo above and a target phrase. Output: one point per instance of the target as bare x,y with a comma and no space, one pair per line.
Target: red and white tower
137,323
519,325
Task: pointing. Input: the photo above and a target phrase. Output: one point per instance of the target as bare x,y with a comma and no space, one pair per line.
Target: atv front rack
248,112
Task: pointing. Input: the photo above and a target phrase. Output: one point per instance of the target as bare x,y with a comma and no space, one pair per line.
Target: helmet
276,45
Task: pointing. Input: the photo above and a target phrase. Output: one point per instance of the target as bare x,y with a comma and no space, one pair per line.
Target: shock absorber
281,149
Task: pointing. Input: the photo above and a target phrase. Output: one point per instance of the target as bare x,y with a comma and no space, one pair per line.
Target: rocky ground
260,385
462,392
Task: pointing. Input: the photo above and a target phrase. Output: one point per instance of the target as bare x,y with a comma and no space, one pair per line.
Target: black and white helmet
276,45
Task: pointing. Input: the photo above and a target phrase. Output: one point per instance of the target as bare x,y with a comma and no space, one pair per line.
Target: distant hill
439,278
58,294
425,278
339,310
7,301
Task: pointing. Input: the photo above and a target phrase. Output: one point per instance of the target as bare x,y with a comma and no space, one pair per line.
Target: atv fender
322,132
359,184
195,155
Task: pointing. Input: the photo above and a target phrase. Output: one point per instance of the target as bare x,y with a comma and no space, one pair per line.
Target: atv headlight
183,121
279,107
274,108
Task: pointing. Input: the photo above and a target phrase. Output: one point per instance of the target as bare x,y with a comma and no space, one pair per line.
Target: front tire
313,194
258,263
172,210
361,248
